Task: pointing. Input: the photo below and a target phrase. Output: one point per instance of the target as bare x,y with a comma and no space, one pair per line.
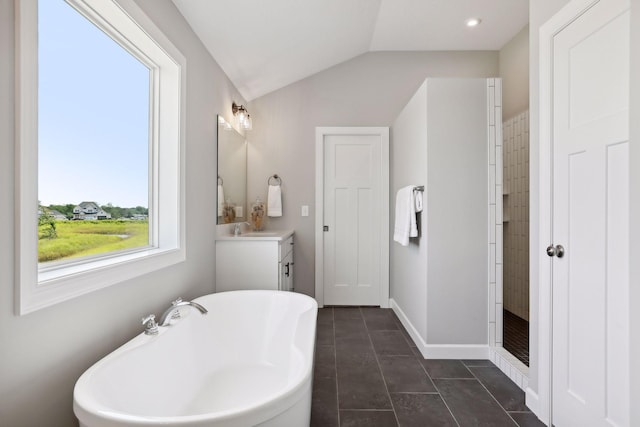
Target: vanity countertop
258,235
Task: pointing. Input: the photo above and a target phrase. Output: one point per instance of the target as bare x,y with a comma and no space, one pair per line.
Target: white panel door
590,364
352,193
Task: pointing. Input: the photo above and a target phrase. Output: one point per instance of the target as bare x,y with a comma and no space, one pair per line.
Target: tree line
115,211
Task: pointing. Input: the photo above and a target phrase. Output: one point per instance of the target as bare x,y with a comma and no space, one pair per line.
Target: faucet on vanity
173,312
238,228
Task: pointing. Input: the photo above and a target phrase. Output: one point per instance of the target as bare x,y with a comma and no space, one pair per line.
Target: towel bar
276,177
419,188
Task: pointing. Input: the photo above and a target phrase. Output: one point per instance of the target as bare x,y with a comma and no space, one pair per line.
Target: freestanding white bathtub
248,362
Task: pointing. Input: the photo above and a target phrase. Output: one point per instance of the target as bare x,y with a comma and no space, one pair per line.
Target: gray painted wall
42,354
514,71
369,90
408,265
457,213
439,281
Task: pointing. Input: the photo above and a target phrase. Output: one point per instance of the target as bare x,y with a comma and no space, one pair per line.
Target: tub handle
150,325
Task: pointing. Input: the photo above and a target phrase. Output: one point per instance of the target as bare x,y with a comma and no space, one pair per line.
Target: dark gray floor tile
390,343
344,313
379,319
471,404
424,410
324,334
506,392
325,362
404,374
445,368
361,388
350,328
526,419
367,419
325,315
324,403
356,357
478,362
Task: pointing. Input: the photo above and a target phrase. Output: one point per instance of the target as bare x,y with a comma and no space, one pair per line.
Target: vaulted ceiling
263,45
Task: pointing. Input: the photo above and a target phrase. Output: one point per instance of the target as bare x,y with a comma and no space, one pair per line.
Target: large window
100,148
93,139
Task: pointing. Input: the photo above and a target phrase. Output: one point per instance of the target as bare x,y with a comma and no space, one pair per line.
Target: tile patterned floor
369,373
516,336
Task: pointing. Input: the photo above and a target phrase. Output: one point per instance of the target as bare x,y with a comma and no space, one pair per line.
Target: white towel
418,199
274,201
220,199
405,222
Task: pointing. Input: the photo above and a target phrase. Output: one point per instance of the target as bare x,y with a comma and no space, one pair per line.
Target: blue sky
93,113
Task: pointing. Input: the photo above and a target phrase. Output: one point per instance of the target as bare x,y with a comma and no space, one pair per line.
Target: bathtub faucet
173,312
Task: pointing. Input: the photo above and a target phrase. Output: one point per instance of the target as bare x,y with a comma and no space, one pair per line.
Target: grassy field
82,238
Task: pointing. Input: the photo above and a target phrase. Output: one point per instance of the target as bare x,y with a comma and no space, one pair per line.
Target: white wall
368,90
514,71
439,140
42,354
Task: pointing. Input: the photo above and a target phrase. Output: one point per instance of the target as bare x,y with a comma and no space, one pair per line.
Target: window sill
63,283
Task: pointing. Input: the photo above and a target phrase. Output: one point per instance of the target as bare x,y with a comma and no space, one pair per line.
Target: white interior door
353,219
590,220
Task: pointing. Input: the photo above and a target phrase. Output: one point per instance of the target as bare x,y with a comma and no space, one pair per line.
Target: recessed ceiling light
473,22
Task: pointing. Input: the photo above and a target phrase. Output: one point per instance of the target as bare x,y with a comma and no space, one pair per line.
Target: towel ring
220,180
276,177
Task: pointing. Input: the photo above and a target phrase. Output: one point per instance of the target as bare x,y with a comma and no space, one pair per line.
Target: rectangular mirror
232,174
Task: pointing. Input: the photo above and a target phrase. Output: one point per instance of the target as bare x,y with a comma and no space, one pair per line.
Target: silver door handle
557,250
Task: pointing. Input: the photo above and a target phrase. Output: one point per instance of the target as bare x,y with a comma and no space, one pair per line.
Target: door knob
557,250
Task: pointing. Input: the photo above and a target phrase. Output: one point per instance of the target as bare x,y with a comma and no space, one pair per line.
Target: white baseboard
439,351
413,332
532,400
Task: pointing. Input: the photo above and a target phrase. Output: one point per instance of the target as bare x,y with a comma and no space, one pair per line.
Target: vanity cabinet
255,261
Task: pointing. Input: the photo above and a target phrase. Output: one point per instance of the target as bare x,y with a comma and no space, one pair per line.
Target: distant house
52,213
89,211
139,217
58,216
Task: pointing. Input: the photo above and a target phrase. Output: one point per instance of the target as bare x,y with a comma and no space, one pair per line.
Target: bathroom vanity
256,260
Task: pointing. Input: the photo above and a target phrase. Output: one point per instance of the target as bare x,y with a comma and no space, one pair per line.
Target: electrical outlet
305,210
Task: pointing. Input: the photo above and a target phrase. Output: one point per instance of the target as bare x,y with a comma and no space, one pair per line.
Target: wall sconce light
243,119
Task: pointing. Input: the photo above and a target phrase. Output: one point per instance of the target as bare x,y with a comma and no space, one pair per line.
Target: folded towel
418,199
220,199
405,221
274,201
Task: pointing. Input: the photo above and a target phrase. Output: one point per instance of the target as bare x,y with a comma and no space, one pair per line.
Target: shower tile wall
516,214
494,106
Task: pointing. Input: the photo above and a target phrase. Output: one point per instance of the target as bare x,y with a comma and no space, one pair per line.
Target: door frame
541,401
383,133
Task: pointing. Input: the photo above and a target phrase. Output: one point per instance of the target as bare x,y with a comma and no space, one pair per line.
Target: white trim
383,132
532,400
543,399
136,33
439,351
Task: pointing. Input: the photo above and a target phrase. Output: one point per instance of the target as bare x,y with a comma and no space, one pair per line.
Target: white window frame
126,23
